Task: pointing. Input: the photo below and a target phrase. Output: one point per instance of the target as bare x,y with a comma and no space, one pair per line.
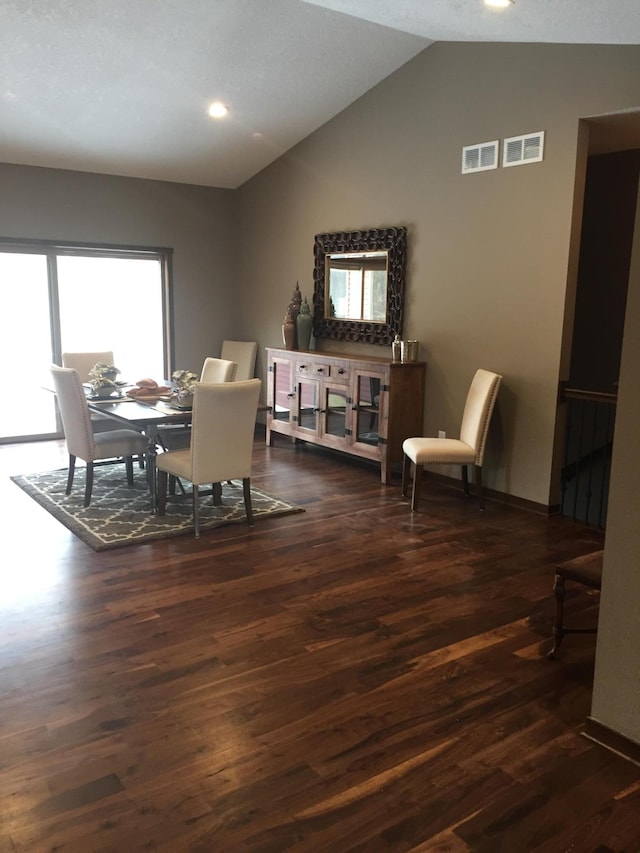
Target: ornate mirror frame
392,240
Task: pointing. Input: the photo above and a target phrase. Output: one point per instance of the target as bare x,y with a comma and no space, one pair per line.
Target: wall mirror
358,292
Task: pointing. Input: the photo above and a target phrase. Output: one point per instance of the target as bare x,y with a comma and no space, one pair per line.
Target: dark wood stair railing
589,429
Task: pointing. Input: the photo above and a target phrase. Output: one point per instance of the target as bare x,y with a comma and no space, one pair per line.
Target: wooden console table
364,406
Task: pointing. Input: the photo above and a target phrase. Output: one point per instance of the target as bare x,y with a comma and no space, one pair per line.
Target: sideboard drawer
309,367
340,373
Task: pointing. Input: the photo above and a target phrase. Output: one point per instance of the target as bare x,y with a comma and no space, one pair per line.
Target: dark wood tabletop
135,413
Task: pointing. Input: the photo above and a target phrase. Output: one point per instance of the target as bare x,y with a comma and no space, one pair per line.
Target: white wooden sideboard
363,406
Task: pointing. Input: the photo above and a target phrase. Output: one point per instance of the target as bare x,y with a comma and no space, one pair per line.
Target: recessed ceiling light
217,110
499,4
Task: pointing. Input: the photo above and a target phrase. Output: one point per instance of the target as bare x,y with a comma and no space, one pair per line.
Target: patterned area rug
119,514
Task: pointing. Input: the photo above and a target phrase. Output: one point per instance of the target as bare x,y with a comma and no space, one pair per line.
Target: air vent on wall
480,157
518,150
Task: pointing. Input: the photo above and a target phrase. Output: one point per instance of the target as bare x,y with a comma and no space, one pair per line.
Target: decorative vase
294,310
296,302
304,325
289,331
183,399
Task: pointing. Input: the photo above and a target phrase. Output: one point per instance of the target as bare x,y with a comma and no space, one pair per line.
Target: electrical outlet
441,433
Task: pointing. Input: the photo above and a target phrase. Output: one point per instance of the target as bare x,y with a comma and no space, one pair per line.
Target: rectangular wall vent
518,150
480,157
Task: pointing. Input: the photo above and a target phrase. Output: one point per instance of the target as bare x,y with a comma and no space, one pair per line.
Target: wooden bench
586,570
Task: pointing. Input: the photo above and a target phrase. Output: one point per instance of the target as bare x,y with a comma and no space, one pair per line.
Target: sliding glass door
56,299
114,303
25,345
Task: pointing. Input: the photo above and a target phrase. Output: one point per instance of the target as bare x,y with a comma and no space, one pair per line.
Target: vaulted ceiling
122,86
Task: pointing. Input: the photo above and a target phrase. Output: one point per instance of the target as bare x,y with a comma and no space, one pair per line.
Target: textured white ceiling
122,86
559,21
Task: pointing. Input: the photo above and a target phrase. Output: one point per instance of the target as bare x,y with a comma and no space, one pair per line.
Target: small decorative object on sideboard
296,302
409,351
304,325
396,349
289,330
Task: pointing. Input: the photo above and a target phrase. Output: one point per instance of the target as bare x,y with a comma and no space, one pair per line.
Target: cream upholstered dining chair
244,354
80,438
218,370
213,370
467,450
224,416
83,362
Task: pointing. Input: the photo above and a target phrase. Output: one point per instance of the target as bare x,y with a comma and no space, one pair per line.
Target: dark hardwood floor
353,678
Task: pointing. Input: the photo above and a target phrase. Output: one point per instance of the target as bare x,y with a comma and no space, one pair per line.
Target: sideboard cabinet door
281,401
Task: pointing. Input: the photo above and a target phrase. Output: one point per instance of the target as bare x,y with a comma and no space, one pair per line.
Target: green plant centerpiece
184,382
102,378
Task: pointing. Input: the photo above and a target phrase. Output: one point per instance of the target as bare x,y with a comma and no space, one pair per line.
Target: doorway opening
588,396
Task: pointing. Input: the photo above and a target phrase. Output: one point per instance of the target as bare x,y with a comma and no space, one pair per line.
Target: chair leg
479,486
173,482
417,482
89,484
196,512
128,464
72,468
465,480
216,491
141,461
406,470
161,496
246,489
558,629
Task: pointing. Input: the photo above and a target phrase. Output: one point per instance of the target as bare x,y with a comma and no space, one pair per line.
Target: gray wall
197,222
488,253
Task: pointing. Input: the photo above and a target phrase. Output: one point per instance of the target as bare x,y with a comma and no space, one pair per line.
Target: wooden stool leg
558,630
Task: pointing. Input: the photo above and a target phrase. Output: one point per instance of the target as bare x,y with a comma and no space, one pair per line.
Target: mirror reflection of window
357,286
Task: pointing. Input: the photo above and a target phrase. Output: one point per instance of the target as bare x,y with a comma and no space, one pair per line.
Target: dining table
147,417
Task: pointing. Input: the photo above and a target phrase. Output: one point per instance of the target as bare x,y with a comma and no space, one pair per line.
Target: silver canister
410,351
